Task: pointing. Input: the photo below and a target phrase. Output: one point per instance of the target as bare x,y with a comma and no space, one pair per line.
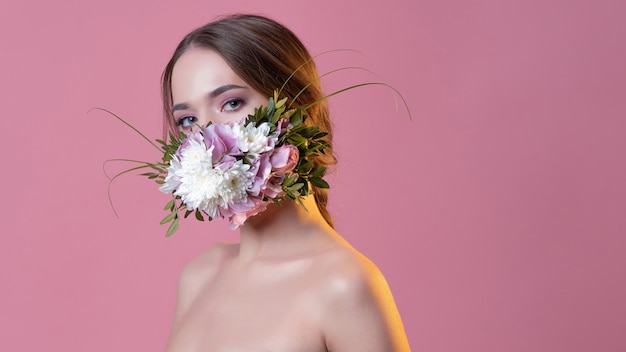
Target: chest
254,312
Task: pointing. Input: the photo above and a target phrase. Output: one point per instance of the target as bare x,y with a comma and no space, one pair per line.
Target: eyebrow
214,93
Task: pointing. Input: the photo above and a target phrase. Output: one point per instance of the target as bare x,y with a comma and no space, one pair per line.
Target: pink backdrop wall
497,214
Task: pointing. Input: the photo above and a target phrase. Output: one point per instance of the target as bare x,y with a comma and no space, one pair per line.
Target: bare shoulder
349,275
208,262
360,311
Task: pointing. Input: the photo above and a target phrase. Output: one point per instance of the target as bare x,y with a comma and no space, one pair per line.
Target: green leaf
169,217
173,138
296,118
199,215
173,227
310,131
270,107
170,205
281,102
277,115
320,135
290,180
187,213
318,171
305,190
319,182
306,167
297,140
295,187
155,167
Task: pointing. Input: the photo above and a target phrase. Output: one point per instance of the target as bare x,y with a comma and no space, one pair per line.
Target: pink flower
220,136
239,218
262,169
281,125
233,209
274,186
284,159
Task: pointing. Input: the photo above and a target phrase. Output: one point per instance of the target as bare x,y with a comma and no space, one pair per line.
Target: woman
292,283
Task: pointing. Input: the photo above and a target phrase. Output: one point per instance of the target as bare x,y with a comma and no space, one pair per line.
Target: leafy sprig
309,141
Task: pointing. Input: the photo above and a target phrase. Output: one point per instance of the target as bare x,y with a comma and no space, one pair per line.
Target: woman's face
205,89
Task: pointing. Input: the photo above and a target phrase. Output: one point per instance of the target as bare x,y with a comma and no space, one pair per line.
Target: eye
186,121
233,104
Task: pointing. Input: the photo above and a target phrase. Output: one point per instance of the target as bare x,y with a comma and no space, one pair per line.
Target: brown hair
264,53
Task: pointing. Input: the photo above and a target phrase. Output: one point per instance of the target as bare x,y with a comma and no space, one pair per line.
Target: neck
281,230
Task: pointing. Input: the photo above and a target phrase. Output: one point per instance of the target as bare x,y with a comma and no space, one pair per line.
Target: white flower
204,186
172,181
233,183
195,156
251,139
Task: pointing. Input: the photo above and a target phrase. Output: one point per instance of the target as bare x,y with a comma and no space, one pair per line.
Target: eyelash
181,121
235,100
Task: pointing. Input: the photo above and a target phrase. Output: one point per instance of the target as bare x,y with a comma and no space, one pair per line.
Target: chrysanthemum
204,186
252,139
234,179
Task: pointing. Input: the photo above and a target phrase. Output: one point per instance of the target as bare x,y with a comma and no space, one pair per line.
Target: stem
406,106
126,160
326,74
129,125
308,61
111,182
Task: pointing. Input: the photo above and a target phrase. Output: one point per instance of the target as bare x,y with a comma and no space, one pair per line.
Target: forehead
199,71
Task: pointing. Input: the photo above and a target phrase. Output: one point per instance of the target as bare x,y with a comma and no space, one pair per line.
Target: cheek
248,109
258,100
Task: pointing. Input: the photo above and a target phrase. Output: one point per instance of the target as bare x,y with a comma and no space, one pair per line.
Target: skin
292,283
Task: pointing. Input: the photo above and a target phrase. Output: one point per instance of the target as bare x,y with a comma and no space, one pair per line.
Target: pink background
497,214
